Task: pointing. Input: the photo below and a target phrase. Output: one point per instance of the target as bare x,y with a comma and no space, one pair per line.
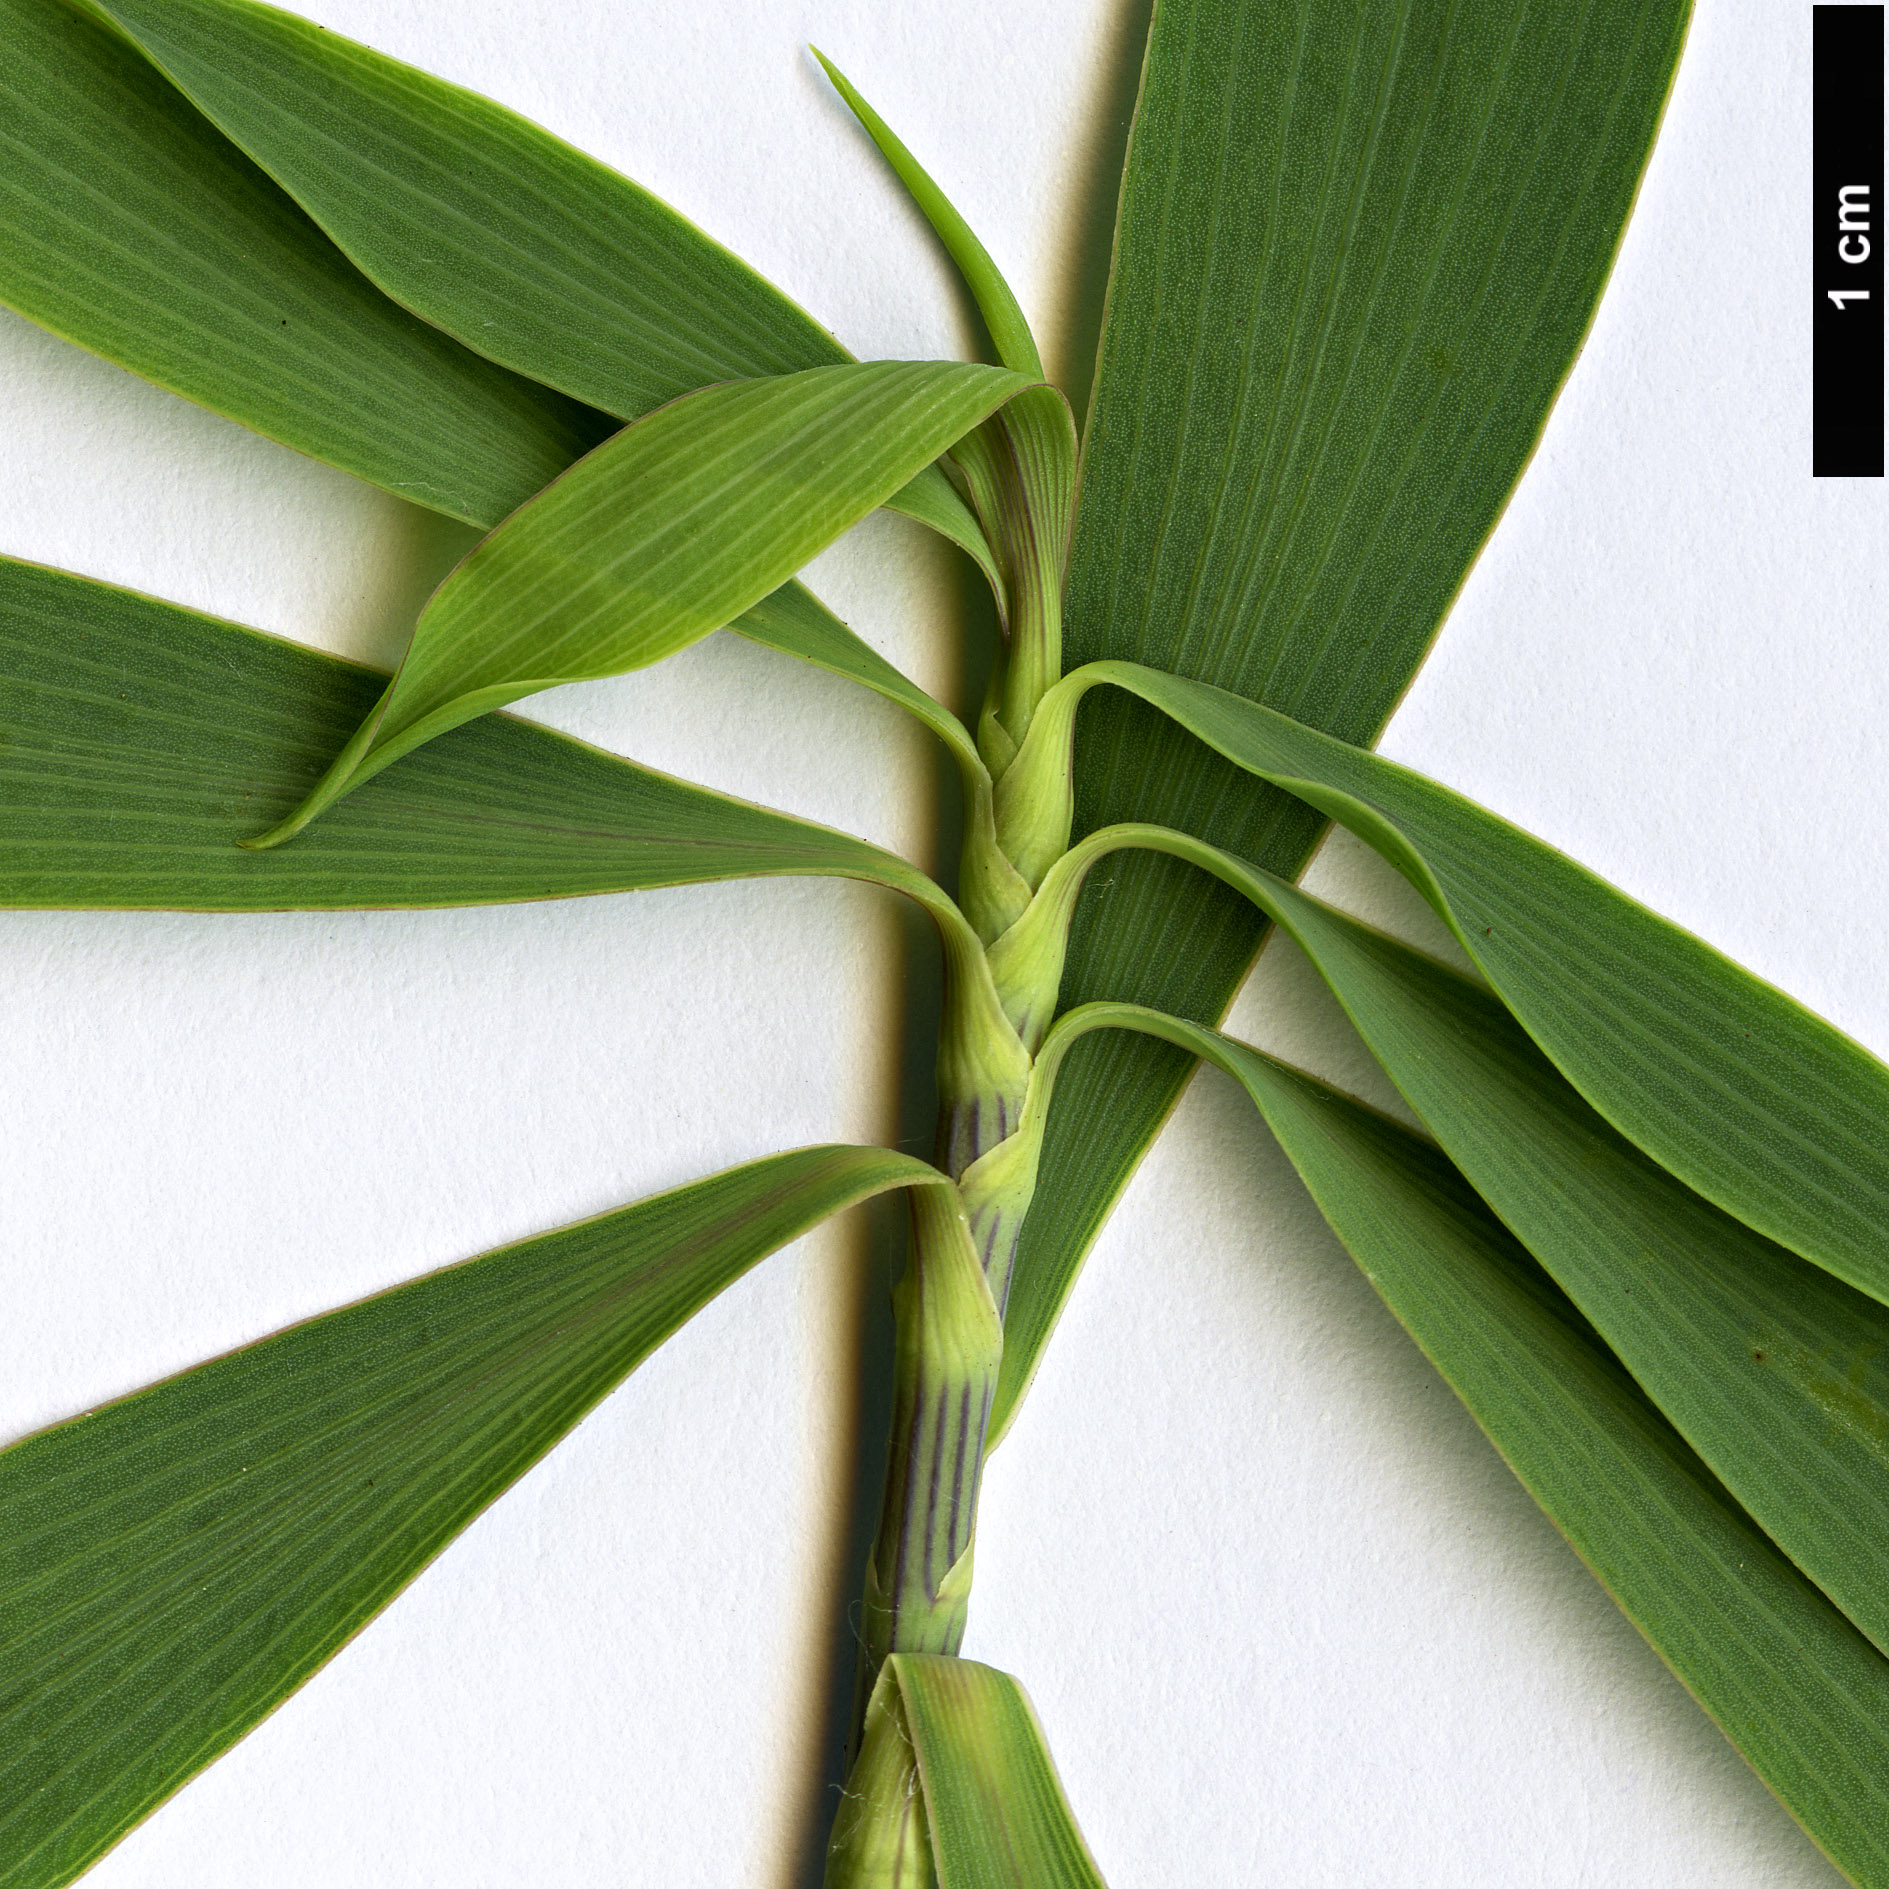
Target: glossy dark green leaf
139,742
666,532
130,225
1356,253
174,1565
1791,1682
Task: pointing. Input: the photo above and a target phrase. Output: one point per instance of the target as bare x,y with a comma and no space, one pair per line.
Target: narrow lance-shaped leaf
1788,1679
666,532
1020,466
1777,1374
1356,252
130,225
139,742
1751,1100
174,1565
131,796
795,622
932,500
496,232
475,218
956,1787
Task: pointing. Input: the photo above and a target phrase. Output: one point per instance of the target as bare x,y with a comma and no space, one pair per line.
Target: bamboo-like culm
948,1307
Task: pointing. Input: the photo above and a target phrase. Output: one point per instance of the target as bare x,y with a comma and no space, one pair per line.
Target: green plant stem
949,1324
948,1307
949,1349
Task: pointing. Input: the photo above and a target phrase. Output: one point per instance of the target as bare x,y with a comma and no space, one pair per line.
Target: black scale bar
1847,238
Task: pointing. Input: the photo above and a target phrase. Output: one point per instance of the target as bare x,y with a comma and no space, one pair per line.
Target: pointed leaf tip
1003,316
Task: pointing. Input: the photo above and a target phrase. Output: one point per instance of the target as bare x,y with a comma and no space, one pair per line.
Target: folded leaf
1795,1687
1356,253
139,742
1751,1100
174,1565
130,225
669,530
1777,1374
956,1787
796,623
498,233
932,500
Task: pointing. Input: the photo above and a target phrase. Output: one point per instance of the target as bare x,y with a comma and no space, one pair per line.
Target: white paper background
1286,1616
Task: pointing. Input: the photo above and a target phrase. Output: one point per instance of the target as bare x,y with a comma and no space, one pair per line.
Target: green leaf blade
994,1805
1775,1373
1746,1096
174,1565
1793,1684
476,219
130,226
1009,332
932,500
1340,230
796,623
1790,1681
666,532
139,742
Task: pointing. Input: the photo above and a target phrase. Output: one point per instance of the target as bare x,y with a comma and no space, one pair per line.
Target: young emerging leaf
1016,346
666,532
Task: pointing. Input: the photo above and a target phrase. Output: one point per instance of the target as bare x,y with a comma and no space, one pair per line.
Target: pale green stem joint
949,1351
983,1070
992,892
